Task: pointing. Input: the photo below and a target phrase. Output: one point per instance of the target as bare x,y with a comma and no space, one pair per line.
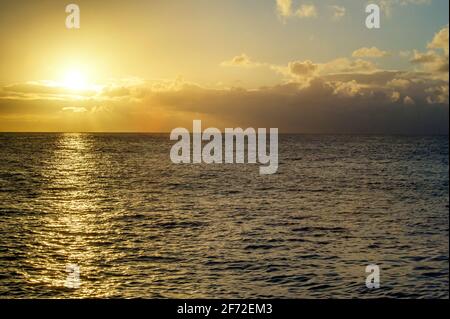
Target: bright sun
75,80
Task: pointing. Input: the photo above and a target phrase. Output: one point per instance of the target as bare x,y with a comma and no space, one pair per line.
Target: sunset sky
151,66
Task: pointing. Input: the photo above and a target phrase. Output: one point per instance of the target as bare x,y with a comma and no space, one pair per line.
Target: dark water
139,226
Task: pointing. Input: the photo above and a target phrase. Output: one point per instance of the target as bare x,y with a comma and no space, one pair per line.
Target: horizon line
280,133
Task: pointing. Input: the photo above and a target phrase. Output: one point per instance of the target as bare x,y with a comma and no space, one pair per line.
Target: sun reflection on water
71,231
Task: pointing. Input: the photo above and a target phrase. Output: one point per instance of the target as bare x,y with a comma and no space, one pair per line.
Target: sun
75,80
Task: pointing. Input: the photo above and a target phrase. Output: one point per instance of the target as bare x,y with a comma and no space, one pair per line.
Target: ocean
136,225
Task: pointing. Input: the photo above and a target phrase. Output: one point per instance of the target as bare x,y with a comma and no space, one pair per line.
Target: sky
153,65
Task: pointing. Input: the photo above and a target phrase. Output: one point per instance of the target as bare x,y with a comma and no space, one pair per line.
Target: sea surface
137,225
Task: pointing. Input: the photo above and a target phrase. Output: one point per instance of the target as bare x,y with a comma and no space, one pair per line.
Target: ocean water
137,225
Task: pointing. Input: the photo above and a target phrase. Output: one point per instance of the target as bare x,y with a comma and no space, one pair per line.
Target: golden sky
151,66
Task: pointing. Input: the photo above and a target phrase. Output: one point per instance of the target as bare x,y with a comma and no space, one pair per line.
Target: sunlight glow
75,80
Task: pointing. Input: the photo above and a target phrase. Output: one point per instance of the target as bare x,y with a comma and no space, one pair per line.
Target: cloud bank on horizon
377,87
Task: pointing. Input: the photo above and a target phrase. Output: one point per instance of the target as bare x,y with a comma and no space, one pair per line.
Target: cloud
47,88
348,89
284,8
115,91
299,70
431,61
341,103
399,83
321,106
404,53
422,58
345,65
338,12
302,71
440,40
395,97
372,52
74,109
302,68
408,101
306,11
344,95
436,58
437,94
241,60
